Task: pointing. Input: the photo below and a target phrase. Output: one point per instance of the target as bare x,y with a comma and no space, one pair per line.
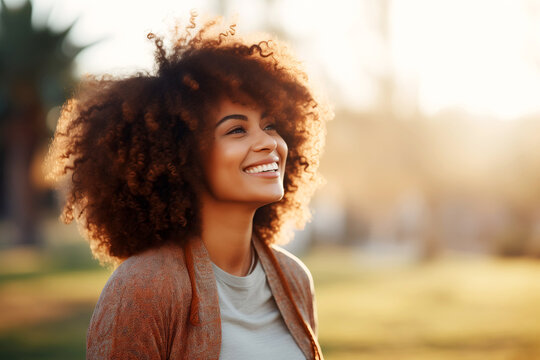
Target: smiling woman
248,156
186,179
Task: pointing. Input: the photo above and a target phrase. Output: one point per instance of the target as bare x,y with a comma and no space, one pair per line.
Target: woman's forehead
229,103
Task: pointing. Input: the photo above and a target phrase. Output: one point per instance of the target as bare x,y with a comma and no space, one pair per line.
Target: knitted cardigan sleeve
133,317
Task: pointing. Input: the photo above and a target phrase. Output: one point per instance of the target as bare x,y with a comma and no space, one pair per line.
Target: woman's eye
238,130
270,127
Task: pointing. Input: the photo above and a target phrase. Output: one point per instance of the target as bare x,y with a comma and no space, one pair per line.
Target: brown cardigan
163,304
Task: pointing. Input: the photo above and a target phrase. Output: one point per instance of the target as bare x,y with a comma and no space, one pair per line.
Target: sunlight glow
478,56
467,54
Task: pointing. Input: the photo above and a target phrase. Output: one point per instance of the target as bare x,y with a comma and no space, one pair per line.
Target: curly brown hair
132,145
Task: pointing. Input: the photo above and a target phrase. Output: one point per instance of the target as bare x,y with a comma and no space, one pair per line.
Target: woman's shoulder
300,281
159,258
160,270
292,266
145,294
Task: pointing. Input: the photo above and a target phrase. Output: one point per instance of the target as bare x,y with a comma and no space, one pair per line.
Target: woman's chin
268,199
276,199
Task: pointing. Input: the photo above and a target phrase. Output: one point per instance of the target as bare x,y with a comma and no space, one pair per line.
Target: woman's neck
226,233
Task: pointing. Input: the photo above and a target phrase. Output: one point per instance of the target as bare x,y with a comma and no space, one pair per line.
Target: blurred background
425,241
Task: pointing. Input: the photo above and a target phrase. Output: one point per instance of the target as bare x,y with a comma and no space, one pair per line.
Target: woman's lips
267,167
267,174
267,170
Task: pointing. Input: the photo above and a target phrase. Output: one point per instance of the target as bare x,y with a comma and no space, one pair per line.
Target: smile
271,167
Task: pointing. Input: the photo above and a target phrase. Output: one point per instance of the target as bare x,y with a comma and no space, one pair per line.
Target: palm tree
36,73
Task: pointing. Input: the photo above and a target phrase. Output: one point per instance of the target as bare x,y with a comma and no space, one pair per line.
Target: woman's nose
264,142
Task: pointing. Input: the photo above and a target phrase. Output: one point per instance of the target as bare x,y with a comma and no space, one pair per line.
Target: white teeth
262,168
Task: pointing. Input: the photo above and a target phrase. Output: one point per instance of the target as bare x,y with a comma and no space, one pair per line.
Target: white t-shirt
251,325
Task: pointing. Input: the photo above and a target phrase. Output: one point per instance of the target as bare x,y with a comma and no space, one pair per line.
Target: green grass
60,338
456,308
46,299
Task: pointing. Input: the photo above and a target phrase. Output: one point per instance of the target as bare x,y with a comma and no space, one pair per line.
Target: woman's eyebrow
232,116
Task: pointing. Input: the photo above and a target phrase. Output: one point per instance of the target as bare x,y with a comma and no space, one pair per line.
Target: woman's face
246,162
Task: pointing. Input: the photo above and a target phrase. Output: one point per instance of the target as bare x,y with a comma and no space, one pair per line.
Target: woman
185,179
